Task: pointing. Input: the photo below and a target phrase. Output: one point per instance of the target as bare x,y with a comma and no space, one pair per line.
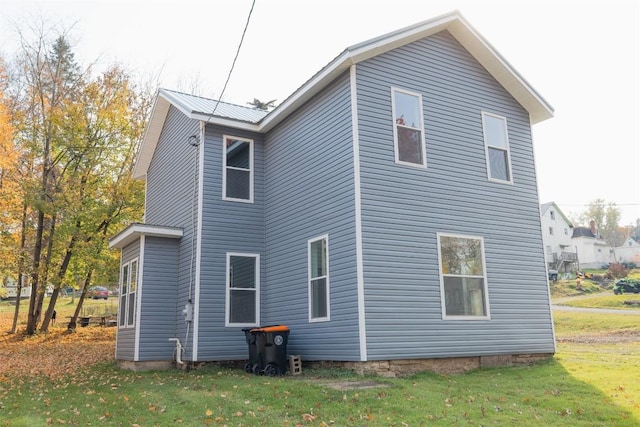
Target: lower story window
463,280
128,286
243,284
319,279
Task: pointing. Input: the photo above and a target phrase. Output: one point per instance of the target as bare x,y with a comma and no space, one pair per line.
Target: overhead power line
233,64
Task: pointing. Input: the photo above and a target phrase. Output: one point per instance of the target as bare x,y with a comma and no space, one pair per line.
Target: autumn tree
101,194
79,135
606,217
10,194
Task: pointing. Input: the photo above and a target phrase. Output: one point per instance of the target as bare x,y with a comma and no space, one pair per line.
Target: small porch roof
135,230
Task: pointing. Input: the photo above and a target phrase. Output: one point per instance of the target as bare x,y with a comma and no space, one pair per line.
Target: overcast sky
582,56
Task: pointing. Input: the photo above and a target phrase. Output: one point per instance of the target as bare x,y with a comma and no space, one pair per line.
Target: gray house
387,212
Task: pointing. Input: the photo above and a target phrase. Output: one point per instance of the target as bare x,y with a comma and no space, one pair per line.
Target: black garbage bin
267,350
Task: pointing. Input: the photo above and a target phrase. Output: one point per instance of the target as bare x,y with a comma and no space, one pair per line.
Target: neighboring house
11,287
557,231
629,251
593,250
386,211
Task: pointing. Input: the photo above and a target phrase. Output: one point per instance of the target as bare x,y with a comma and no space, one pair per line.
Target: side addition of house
386,211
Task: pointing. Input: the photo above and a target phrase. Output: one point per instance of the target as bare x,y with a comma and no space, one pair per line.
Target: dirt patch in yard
609,338
354,385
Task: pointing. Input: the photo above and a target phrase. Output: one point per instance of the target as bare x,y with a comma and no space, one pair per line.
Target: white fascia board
151,137
539,109
134,231
220,121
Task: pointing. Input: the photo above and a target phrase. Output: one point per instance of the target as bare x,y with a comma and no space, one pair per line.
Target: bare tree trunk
61,273
71,327
32,318
23,239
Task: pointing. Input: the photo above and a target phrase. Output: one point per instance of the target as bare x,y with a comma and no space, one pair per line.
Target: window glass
238,169
124,286
242,289
463,276
497,147
131,303
318,279
407,110
409,140
495,131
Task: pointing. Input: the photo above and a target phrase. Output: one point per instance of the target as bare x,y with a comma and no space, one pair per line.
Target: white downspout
178,351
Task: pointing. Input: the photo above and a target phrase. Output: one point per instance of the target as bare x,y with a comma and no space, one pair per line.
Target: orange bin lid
277,328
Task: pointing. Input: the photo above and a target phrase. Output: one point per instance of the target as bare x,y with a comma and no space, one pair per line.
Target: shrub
616,271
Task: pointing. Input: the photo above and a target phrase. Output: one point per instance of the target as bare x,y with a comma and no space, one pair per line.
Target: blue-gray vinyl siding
170,200
227,226
403,209
158,294
309,193
125,339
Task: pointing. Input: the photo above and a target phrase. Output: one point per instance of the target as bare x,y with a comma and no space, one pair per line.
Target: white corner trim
140,279
362,326
196,303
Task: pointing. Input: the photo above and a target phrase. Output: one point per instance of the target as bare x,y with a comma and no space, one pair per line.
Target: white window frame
124,320
225,168
487,145
396,149
311,278
487,315
228,289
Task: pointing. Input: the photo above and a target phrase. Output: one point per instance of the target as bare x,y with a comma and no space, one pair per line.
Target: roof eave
539,109
135,230
151,136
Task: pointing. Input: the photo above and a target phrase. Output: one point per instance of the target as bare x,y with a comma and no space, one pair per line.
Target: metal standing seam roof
197,105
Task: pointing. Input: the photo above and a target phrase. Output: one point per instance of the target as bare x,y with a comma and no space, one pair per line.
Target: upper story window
408,128
496,143
319,279
552,214
551,231
237,181
462,277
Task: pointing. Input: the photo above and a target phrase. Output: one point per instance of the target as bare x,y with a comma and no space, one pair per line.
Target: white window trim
309,278
486,148
484,277
224,169
423,165
125,322
227,306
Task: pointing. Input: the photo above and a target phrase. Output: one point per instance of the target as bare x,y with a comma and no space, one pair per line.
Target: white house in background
629,251
557,233
593,251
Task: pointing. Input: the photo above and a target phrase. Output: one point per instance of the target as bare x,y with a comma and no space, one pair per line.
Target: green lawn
605,300
592,381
